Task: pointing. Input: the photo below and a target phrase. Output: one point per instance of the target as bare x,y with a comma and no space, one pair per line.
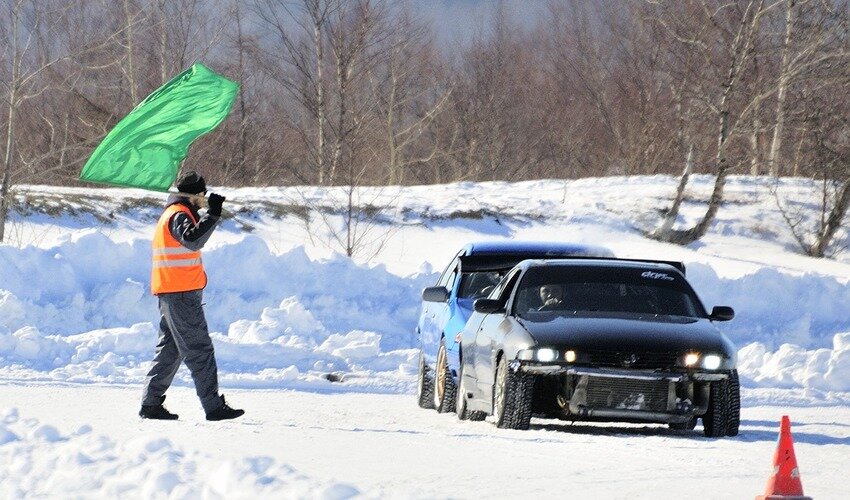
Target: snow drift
283,319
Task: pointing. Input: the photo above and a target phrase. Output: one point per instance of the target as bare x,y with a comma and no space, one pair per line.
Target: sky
457,21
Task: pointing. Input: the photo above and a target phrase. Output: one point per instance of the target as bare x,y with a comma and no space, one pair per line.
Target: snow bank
792,366
40,460
313,318
774,308
90,282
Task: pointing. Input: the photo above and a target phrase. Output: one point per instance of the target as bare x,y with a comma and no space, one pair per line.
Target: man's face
550,293
198,200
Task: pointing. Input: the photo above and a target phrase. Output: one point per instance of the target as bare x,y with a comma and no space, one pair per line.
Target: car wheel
716,419
425,386
734,388
444,385
460,404
512,394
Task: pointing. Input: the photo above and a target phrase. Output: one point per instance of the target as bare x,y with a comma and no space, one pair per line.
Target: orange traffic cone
784,483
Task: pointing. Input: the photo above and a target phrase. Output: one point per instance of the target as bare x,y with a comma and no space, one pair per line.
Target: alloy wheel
501,389
440,377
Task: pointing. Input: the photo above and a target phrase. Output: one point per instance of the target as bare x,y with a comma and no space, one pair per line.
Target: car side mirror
487,306
435,294
722,313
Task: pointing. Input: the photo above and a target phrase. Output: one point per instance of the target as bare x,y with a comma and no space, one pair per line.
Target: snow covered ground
335,445
77,329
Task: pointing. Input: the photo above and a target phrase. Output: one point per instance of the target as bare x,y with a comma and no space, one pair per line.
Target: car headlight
707,361
711,361
547,355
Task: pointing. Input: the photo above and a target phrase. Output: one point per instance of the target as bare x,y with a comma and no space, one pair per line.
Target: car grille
636,360
627,394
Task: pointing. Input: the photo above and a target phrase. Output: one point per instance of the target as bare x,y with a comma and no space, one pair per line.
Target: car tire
716,420
444,384
425,385
512,395
734,388
460,404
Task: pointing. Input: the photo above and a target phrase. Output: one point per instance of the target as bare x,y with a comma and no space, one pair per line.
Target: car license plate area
638,360
628,394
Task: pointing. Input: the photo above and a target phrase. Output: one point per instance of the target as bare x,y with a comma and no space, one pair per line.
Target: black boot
157,412
224,412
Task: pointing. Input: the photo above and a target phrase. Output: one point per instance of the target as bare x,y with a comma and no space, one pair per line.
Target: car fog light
711,362
691,358
570,356
547,355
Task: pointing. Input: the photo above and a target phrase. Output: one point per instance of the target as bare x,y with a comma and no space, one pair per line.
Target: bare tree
293,55
825,151
26,29
407,94
814,48
730,113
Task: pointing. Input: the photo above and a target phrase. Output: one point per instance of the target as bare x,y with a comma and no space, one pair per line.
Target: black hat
191,182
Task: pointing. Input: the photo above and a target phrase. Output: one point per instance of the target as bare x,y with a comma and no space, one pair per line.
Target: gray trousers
183,337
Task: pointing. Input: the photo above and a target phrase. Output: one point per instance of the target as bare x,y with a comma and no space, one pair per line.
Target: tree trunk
663,232
5,189
782,90
392,140
691,235
131,79
243,115
755,163
341,133
833,222
163,44
320,93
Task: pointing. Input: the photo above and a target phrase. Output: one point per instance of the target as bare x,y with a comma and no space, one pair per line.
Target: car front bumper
593,393
569,369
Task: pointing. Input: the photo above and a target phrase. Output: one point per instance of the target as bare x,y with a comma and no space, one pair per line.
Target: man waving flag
145,150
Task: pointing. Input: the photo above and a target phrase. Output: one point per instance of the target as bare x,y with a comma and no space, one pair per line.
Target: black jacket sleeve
190,235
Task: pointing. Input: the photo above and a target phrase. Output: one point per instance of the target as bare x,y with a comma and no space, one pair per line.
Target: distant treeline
361,92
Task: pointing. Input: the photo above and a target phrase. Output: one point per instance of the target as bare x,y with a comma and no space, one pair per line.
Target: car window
450,281
549,289
478,284
447,277
503,291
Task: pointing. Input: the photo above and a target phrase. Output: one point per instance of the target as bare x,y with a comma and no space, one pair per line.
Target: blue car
473,273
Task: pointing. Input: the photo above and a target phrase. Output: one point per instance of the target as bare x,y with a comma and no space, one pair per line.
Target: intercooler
625,394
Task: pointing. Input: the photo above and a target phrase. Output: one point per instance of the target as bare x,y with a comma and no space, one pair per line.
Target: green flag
145,149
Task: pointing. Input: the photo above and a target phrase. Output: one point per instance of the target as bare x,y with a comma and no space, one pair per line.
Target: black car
598,340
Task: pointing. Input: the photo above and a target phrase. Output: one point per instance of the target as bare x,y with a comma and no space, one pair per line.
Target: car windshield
570,290
478,284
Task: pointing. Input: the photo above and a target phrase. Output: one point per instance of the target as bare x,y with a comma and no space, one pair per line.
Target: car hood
632,334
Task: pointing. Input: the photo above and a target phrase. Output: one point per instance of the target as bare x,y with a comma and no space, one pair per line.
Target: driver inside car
551,297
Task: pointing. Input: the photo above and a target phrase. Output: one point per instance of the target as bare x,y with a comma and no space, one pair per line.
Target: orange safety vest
175,267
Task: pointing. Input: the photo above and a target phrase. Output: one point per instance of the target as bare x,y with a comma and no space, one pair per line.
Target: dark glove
215,202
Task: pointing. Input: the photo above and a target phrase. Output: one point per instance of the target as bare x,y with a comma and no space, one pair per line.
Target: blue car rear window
478,284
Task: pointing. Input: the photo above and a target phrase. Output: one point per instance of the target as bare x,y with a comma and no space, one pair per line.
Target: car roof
608,263
536,247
